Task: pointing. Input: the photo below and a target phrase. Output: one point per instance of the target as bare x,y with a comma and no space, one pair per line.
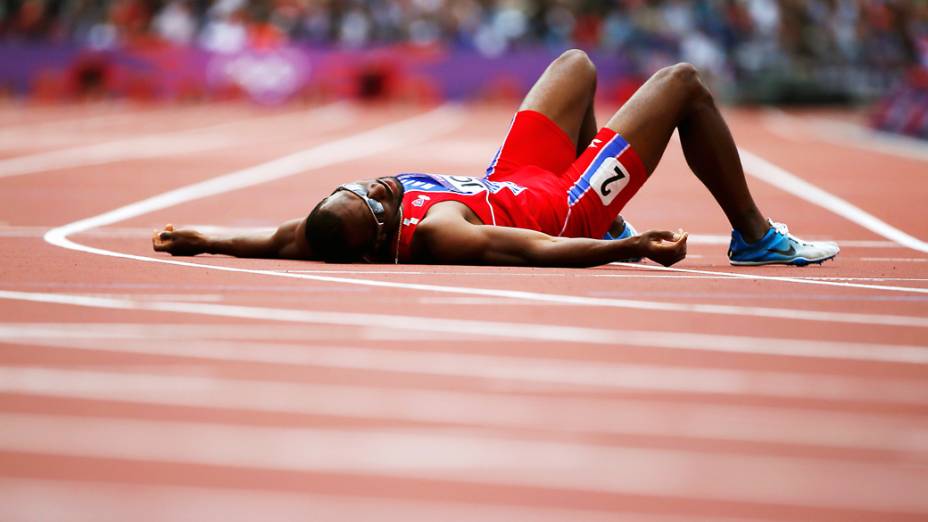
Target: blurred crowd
722,37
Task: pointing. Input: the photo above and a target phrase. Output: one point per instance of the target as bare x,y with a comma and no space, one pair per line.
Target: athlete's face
371,211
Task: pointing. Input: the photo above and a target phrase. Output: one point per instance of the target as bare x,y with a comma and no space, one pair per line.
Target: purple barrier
19,63
276,75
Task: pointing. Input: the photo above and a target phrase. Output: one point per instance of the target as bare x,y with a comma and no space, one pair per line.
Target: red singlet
536,181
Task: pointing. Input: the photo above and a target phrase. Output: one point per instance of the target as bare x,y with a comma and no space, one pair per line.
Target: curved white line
561,299
384,138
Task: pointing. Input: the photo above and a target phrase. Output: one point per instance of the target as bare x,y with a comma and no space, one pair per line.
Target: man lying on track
551,196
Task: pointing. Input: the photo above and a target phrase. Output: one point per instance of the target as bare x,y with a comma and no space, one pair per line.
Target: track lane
70,273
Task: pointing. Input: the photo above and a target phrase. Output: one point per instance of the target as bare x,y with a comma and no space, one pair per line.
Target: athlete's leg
555,122
564,94
588,127
676,98
588,130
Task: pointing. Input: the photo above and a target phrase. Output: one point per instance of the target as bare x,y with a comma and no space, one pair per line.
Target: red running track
133,387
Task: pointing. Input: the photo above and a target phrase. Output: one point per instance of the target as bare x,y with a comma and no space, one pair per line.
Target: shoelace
784,230
781,227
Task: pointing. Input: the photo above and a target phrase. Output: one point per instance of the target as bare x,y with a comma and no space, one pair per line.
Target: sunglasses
375,206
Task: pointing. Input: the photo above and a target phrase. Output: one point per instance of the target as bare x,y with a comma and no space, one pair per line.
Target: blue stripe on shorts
612,149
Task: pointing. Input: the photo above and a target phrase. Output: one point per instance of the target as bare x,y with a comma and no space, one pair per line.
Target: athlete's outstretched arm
287,242
464,243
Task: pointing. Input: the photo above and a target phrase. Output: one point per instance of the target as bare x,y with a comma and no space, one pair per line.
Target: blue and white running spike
779,247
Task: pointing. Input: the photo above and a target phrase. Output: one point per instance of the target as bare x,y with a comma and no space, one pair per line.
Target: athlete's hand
178,242
663,246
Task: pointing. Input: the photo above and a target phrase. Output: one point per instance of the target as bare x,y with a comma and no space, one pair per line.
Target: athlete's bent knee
684,70
685,78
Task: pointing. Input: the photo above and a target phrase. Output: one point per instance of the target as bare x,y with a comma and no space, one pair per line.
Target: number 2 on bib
609,180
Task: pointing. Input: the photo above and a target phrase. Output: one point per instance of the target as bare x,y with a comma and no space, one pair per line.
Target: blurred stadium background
871,54
242,390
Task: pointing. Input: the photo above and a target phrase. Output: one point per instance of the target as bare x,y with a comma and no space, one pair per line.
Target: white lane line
542,332
766,171
678,275
476,456
916,279
617,416
58,237
157,145
160,331
304,333
32,500
778,313
597,274
140,296
495,273
537,372
127,232
501,302
738,275
896,259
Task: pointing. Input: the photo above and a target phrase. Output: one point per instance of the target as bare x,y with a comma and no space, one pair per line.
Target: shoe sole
798,261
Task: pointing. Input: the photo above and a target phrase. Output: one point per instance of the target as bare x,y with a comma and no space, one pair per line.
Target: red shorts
573,196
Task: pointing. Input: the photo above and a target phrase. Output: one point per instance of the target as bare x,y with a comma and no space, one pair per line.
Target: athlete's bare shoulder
441,229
